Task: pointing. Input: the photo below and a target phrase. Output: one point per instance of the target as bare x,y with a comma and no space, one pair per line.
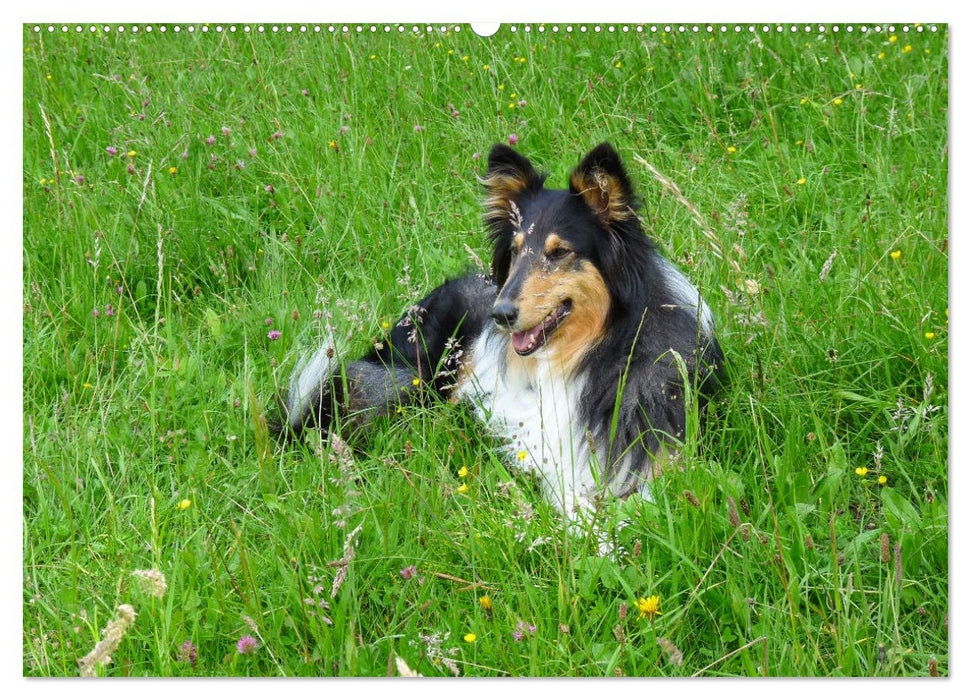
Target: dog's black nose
505,313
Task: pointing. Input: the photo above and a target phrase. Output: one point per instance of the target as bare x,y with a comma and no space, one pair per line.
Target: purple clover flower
112,151
277,135
247,645
188,653
408,572
522,630
274,335
211,140
225,131
513,139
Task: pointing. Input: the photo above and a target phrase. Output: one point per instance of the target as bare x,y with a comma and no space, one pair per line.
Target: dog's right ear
508,177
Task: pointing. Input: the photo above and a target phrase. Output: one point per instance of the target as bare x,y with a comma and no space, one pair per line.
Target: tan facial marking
553,243
547,288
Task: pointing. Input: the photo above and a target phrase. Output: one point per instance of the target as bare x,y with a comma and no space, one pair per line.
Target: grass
801,181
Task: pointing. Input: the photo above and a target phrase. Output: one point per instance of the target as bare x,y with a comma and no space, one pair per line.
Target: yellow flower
501,86
895,255
464,472
184,503
859,85
470,637
486,602
512,105
131,154
522,455
485,66
649,607
438,44
908,48
385,325
87,385
929,335
373,57
465,58
799,142
50,77
893,39
618,64
333,144
881,55
862,471
512,95
731,149
464,488
838,101
451,51
804,100
801,181
43,181
173,170
881,479
416,381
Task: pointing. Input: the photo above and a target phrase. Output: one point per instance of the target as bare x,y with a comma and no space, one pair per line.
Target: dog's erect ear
602,182
508,176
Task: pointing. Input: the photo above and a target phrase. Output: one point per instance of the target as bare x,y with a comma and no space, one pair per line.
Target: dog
578,351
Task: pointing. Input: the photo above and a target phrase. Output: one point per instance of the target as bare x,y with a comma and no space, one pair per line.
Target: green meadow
202,208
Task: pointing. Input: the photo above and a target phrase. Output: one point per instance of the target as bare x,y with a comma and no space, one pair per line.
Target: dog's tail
323,391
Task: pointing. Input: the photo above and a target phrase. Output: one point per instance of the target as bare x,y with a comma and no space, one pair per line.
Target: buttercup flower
470,637
184,503
895,255
862,471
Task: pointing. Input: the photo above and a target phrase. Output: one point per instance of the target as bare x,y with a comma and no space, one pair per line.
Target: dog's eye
557,254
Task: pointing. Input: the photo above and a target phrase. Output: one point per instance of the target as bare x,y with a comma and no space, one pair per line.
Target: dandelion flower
173,170
247,645
522,455
649,607
862,471
486,602
929,335
464,488
908,48
470,637
184,503
895,255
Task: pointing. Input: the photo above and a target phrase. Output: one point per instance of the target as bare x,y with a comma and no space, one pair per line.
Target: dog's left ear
602,182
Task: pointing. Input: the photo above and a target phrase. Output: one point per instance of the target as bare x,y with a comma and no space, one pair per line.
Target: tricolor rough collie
577,351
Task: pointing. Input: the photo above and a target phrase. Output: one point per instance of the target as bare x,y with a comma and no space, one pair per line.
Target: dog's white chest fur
536,412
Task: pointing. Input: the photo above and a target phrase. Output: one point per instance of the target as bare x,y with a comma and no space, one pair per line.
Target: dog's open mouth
529,341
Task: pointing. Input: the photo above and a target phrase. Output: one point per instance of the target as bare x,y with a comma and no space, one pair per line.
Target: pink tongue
523,339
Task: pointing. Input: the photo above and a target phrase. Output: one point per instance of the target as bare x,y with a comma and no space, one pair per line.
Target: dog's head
556,250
